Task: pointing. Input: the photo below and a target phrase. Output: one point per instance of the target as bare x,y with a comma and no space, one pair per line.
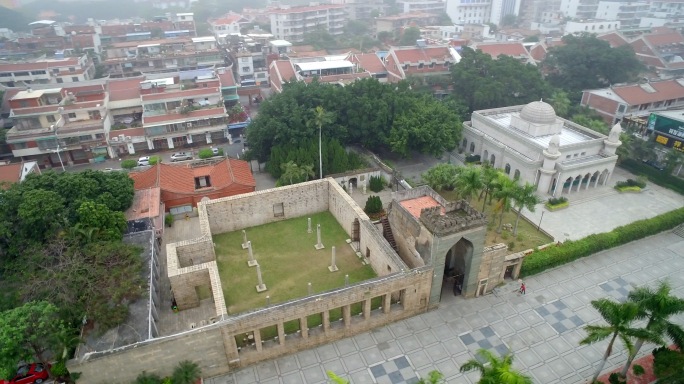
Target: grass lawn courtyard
288,260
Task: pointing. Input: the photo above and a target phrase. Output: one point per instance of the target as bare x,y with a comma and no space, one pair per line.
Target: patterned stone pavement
542,328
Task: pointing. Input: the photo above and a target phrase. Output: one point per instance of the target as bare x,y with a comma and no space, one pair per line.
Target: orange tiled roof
180,117
181,178
370,62
507,49
227,19
226,78
414,206
634,94
146,203
662,36
180,94
126,89
415,54
10,173
615,39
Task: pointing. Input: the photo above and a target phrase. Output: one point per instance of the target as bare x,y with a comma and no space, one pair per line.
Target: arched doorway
485,157
465,144
472,147
603,178
516,174
493,161
507,169
457,268
352,182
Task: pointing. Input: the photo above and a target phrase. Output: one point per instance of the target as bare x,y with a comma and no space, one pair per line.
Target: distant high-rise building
293,23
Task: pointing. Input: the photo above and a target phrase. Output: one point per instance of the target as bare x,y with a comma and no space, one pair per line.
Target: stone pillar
281,333
257,340
251,262
304,327
367,309
386,303
229,345
150,144
131,149
309,289
208,137
319,245
261,286
333,266
326,322
346,315
169,141
309,230
244,239
189,138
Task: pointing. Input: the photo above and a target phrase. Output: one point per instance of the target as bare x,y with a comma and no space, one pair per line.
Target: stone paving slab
542,328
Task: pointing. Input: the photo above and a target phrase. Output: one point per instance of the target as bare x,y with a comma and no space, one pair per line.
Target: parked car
181,156
654,164
28,374
143,161
215,151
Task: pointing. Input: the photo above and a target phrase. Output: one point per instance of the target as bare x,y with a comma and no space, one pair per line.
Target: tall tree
441,177
505,193
524,196
427,127
495,370
489,179
658,305
560,102
321,117
187,372
28,333
469,182
619,318
409,36
586,62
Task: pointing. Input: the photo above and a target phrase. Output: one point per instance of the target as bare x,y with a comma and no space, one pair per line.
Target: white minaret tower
613,141
548,168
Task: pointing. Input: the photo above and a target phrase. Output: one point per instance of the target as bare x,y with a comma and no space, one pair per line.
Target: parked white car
143,161
181,156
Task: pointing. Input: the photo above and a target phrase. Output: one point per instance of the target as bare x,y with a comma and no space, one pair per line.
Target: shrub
205,153
373,205
638,370
661,178
639,183
168,220
154,160
376,185
550,257
147,378
128,164
504,235
557,200
59,369
511,245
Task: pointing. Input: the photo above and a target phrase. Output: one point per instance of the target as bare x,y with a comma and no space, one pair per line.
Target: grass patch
628,189
288,260
528,237
555,207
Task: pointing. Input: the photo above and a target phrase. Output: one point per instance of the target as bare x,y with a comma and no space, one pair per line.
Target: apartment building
429,6
363,9
420,61
293,23
397,23
226,25
163,55
629,14
60,126
579,9
469,11
635,100
51,71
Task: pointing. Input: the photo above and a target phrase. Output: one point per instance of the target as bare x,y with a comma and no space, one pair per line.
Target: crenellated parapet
453,217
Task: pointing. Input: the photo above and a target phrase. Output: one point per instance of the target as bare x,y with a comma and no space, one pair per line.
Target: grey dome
538,112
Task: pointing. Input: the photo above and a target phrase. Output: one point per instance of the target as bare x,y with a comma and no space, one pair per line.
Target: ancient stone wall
268,206
411,239
195,251
492,266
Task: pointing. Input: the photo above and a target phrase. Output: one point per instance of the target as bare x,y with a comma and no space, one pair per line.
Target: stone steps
593,196
387,233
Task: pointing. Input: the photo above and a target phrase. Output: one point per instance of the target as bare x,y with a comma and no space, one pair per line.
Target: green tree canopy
586,62
409,36
481,82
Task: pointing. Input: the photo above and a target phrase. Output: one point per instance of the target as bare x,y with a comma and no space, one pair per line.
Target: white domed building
531,143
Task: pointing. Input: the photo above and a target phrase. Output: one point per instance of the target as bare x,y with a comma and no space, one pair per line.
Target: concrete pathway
542,328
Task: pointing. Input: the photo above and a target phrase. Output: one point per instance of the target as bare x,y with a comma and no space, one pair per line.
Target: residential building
635,100
371,63
184,185
661,51
293,23
427,6
502,8
579,9
326,71
362,10
629,14
615,39
228,24
591,26
60,126
476,31
515,50
462,12
154,56
420,61
397,23
47,71
532,10
12,173
532,144
666,8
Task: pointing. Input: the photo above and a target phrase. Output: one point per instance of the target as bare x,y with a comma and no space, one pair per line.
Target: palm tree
619,317
524,197
561,104
489,178
147,378
291,171
186,372
505,192
307,172
469,182
658,306
433,377
495,370
321,117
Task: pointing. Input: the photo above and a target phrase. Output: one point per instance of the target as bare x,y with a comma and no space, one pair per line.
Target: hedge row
554,256
662,178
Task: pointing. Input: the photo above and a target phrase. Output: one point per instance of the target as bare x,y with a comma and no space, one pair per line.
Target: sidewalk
542,328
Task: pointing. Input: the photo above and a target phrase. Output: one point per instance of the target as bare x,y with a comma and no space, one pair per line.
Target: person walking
522,287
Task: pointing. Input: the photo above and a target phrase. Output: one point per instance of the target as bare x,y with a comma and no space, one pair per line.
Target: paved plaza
542,328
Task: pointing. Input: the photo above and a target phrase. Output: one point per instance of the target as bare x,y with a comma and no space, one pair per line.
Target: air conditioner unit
115,139
188,125
128,138
121,138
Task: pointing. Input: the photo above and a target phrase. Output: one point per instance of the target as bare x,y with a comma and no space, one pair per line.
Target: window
244,59
575,155
245,69
51,118
72,69
621,108
421,65
85,138
72,115
583,154
60,80
99,135
278,210
23,104
74,79
202,182
567,156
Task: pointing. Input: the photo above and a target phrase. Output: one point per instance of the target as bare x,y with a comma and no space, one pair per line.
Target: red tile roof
23,67
307,9
538,52
139,131
227,19
182,117
634,94
615,39
126,89
226,78
515,49
651,60
414,54
190,93
284,72
146,204
180,179
664,36
414,206
10,173
369,62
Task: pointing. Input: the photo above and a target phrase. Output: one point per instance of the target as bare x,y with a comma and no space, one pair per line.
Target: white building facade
530,143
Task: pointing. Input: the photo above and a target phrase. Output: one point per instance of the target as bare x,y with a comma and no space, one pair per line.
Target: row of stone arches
579,182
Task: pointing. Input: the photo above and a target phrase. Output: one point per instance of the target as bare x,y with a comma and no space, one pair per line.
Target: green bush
631,183
373,205
59,369
376,185
128,164
560,254
154,160
661,178
205,153
557,200
638,370
147,378
472,159
168,220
